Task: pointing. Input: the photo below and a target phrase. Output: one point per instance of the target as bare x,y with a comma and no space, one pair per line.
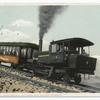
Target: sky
21,24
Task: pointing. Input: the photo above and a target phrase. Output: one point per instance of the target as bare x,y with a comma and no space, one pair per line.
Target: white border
50,94
49,2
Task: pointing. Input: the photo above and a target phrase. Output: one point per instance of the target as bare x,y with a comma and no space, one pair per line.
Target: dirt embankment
7,85
12,86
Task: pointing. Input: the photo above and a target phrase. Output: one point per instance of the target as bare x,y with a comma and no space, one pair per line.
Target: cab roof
76,42
19,44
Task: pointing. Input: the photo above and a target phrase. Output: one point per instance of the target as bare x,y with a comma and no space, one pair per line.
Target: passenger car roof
77,42
19,44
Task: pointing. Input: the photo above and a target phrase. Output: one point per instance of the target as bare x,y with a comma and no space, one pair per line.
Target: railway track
51,88
87,88
27,78
82,87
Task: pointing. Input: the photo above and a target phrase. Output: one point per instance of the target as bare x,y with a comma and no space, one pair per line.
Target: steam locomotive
65,60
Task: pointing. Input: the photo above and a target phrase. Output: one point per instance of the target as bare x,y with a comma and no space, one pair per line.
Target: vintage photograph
49,49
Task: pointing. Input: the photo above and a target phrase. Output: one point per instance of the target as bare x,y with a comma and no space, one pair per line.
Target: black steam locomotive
66,59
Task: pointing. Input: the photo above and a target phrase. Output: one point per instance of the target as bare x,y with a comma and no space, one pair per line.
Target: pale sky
20,23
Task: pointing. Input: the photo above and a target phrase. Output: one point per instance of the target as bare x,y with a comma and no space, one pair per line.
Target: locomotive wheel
77,79
66,78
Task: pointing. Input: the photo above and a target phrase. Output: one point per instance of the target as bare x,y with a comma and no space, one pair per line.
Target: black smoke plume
46,17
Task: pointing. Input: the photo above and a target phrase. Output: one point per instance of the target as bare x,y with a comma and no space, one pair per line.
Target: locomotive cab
69,59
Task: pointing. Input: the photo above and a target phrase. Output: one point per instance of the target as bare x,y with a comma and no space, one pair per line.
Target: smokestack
46,17
40,45
40,41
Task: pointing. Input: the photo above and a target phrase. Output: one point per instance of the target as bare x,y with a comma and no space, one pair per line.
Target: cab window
53,48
